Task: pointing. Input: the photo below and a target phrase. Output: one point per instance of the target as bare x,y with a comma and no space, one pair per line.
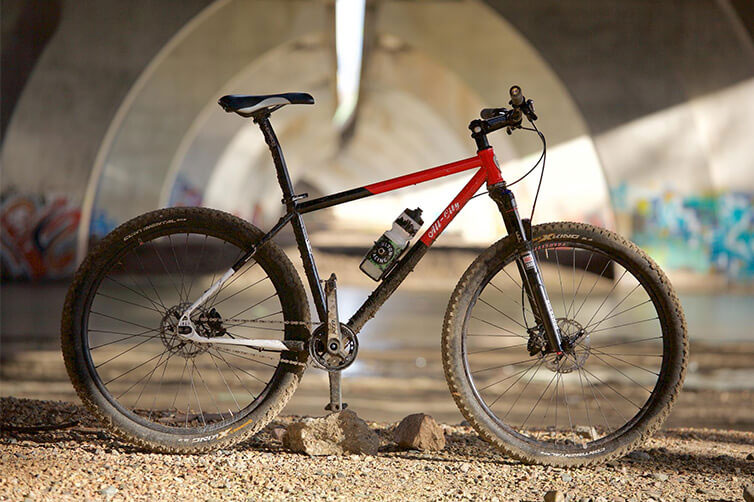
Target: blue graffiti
704,233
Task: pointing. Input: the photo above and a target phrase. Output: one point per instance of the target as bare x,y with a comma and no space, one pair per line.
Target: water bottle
388,248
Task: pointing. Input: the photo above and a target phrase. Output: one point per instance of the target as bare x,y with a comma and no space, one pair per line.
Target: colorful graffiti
185,193
101,224
703,233
38,236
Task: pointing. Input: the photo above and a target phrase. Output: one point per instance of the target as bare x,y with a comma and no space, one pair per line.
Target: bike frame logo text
443,219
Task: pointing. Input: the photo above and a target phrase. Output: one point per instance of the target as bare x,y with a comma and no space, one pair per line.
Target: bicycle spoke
525,386
538,400
624,325
583,274
124,352
241,291
499,327
165,268
256,304
180,269
512,299
626,343
198,403
610,387
619,313
501,312
497,348
222,377
624,361
154,305
515,382
232,370
132,369
128,302
139,335
596,281
619,371
506,364
503,380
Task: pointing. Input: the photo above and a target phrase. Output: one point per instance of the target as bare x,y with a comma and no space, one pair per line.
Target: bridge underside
646,108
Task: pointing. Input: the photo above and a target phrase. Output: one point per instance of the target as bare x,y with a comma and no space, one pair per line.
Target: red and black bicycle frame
488,172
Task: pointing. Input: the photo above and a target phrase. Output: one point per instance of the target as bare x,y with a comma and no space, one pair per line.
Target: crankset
333,361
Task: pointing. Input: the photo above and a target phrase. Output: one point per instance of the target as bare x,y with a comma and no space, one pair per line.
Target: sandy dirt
82,462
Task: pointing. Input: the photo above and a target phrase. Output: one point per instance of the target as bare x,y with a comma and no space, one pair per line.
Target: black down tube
528,267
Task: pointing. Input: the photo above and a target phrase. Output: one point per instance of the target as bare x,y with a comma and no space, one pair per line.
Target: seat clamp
294,198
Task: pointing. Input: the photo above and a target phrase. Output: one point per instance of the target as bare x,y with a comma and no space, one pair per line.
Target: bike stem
528,268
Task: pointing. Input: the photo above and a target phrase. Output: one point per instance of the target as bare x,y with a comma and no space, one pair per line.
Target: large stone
749,493
554,496
336,434
420,432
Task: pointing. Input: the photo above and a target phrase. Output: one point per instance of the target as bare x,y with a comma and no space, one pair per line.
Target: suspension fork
528,267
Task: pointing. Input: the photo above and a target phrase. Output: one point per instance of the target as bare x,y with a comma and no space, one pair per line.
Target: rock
587,432
336,434
585,499
659,476
750,456
639,455
554,496
419,432
108,491
566,477
278,433
749,493
465,467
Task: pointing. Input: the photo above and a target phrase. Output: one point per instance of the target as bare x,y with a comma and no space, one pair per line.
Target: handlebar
498,118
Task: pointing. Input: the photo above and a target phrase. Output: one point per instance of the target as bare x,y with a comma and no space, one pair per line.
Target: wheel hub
208,323
576,347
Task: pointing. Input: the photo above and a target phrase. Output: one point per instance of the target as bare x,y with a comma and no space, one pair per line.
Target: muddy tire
622,359
130,287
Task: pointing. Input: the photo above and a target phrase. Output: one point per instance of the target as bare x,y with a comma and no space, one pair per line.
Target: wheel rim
143,369
607,379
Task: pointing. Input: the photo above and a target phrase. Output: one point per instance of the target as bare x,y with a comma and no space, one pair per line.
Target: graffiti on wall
185,193
704,233
101,225
38,236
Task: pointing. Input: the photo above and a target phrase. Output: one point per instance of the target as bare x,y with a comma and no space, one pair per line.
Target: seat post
284,179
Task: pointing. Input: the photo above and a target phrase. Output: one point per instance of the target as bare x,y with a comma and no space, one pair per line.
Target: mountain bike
188,329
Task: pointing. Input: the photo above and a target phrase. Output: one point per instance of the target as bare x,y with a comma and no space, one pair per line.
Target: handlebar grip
488,113
517,97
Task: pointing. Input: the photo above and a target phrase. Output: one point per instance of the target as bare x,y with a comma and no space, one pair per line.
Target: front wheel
132,370
624,338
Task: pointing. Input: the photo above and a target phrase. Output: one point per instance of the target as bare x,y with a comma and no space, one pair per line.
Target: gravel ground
82,462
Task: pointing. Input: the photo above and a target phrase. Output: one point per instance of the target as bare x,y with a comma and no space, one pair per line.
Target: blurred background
109,110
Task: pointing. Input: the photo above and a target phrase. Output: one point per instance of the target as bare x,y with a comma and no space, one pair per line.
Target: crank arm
260,344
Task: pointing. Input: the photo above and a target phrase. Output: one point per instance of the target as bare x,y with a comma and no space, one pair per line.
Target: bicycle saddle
246,106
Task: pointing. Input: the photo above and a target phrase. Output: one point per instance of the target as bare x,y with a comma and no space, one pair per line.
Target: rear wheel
624,339
147,384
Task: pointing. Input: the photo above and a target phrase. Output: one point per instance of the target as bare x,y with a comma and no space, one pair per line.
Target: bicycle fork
528,268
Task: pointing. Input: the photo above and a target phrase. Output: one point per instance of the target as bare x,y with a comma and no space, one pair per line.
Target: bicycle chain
240,322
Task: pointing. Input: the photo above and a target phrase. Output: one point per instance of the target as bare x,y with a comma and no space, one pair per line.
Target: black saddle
247,106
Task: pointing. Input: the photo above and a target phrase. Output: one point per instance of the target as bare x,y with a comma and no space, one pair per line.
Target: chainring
331,362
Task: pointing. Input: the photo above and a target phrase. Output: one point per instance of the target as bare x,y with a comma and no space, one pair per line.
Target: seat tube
527,264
